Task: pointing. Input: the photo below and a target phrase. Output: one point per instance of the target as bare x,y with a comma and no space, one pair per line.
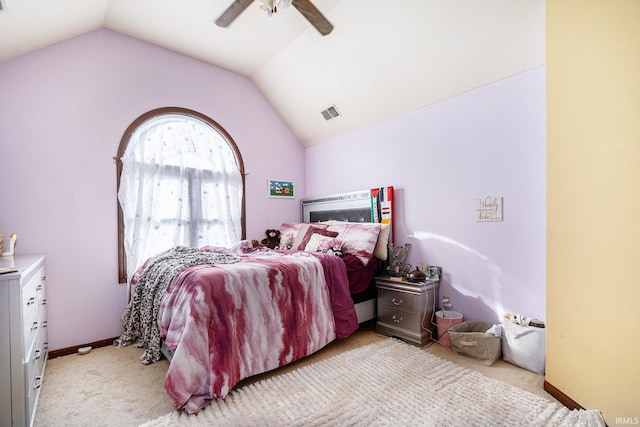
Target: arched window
180,182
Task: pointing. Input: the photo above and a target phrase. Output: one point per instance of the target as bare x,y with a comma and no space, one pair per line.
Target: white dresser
23,337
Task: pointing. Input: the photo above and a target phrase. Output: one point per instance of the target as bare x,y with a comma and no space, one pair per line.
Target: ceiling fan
305,7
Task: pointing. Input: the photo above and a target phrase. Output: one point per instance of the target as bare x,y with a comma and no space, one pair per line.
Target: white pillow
382,245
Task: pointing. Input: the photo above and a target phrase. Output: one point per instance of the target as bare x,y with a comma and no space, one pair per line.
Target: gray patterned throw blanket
139,321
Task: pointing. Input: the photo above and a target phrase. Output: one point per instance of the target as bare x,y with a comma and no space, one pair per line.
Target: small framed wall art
281,189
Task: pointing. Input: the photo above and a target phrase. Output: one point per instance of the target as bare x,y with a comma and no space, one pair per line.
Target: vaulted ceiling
383,58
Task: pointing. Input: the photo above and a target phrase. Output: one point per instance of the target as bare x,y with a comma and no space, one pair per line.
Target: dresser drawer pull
32,300
44,302
44,323
37,381
36,354
395,319
396,302
34,326
39,287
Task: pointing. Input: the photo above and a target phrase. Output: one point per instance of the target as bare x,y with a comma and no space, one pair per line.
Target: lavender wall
440,159
64,110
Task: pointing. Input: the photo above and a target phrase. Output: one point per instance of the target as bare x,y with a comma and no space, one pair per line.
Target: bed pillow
382,245
306,231
381,250
322,243
358,239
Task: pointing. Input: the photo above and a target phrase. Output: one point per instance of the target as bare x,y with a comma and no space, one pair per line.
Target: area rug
385,383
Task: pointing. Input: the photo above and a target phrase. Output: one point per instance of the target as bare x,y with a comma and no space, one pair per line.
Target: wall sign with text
489,209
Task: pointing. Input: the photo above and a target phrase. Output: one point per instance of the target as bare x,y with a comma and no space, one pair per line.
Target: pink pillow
329,243
290,228
305,232
357,240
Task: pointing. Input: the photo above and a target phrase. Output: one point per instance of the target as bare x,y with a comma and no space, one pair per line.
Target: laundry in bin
473,340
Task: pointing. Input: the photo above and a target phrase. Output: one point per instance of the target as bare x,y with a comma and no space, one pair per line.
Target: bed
224,314
373,206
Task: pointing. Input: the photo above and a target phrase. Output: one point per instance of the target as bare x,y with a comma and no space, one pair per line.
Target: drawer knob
395,319
34,326
32,300
396,302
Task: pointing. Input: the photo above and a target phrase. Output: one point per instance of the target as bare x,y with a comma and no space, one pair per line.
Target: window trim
124,142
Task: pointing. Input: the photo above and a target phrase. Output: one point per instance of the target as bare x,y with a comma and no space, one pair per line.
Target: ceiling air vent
330,113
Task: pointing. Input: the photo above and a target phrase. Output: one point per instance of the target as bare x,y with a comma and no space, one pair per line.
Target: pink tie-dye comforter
229,322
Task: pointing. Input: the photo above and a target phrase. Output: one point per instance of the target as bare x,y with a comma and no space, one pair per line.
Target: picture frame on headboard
281,189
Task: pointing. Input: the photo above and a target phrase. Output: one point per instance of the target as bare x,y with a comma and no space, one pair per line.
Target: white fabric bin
524,346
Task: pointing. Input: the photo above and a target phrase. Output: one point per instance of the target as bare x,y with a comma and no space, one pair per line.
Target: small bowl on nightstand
416,275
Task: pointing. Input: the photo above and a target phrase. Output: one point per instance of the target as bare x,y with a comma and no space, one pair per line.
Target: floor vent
330,113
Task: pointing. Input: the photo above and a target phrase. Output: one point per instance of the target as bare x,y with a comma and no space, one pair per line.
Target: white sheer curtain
180,185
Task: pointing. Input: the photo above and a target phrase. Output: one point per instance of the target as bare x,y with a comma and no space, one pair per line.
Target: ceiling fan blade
232,12
313,15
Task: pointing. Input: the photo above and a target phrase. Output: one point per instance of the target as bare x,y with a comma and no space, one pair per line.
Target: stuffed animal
273,239
286,241
335,250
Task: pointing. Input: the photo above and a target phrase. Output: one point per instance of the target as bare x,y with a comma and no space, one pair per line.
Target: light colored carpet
384,383
110,387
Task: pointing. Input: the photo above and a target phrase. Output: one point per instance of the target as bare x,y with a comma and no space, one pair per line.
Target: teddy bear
273,238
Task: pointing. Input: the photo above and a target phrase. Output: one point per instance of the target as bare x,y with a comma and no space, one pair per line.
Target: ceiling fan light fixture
271,6
305,7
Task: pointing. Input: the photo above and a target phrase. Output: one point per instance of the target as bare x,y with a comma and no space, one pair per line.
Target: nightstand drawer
398,300
398,318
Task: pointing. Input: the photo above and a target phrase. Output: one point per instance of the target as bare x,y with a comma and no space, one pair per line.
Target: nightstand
406,309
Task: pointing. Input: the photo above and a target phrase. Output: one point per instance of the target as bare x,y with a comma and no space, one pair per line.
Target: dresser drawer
32,397
399,300
398,318
35,366
30,315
